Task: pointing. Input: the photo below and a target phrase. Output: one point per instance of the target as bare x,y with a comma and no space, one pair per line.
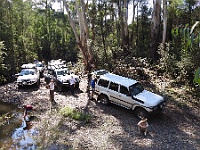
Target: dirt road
111,127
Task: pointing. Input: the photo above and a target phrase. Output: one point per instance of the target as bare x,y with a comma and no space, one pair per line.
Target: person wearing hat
143,126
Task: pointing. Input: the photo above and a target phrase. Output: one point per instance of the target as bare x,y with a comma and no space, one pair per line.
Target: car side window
123,90
113,86
103,83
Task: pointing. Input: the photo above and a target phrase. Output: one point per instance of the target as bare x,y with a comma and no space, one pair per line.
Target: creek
15,133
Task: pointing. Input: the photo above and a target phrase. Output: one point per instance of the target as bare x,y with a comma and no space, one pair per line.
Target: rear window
103,83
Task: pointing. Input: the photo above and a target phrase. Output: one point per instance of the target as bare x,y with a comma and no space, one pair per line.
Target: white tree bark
82,32
155,29
164,21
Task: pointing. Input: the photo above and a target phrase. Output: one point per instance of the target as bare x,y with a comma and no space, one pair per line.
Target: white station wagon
128,93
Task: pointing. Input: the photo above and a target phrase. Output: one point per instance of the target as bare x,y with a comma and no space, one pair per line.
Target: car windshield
136,89
62,72
39,65
27,72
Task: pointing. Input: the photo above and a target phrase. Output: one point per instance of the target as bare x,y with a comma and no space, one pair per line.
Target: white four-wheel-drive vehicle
29,75
128,93
61,77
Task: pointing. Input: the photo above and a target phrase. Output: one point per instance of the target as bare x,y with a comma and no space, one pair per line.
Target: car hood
27,77
150,99
67,77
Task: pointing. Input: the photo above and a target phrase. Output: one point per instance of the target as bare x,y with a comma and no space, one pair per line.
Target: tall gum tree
81,32
155,29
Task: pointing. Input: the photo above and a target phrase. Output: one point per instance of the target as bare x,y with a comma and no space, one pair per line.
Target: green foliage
196,79
168,60
69,112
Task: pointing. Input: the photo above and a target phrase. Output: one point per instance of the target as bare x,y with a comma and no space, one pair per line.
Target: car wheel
141,113
19,86
103,99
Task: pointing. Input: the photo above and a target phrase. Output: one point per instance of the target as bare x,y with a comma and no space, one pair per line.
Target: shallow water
13,134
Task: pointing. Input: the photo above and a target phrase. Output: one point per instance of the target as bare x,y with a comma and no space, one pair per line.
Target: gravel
111,127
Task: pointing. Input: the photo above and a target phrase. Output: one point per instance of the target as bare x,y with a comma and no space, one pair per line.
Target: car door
101,86
124,95
113,92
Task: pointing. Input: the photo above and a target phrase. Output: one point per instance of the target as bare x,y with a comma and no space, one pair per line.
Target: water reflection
15,132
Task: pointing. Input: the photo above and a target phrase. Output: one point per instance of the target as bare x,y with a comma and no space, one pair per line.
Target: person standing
143,126
92,84
72,84
52,88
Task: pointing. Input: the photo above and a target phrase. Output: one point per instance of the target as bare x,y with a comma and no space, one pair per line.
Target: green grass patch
74,114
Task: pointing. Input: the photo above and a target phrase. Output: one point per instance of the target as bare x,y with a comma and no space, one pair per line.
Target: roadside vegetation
159,48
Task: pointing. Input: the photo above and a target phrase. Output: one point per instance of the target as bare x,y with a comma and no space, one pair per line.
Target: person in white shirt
72,82
52,87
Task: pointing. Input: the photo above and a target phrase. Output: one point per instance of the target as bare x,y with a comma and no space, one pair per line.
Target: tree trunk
155,29
82,36
164,21
133,18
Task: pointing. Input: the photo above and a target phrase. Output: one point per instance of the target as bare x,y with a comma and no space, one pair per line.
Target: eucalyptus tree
78,22
164,22
155,29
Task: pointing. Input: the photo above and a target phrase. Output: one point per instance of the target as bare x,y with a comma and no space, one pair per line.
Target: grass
76,115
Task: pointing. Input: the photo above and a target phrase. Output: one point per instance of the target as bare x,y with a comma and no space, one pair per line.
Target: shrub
74,114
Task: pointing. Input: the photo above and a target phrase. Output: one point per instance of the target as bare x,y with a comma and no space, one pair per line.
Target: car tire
19,86
103,99
141,113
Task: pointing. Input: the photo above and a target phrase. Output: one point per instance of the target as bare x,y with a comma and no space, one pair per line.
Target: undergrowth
74,114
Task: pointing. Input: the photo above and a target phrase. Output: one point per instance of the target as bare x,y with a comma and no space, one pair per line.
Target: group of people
51,87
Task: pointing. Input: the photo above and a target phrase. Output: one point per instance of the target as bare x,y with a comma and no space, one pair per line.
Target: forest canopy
97,33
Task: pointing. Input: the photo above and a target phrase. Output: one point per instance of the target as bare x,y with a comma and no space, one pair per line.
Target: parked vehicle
128,93
40,67
29,75
61,77
99,72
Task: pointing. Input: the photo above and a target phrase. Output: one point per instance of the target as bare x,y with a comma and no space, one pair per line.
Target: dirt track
111,127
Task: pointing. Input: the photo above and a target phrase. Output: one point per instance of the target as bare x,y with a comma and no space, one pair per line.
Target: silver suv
128,93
